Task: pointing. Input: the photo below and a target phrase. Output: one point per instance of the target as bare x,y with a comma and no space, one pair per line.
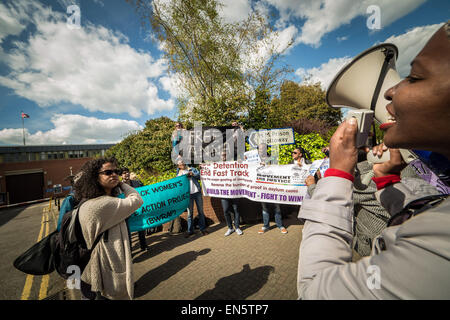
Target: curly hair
87,186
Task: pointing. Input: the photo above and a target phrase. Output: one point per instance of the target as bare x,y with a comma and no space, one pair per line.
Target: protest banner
324,166
272,183
163,202
252,156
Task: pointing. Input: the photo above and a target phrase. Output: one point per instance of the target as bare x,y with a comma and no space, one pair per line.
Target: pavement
251,266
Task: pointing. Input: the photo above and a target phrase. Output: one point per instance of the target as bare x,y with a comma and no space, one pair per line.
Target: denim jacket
195,178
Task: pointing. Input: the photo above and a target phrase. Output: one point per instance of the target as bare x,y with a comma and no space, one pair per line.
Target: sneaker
283,230
230,231
239,231
262,230
187,235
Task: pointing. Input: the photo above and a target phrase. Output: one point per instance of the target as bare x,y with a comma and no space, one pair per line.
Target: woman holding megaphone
410,259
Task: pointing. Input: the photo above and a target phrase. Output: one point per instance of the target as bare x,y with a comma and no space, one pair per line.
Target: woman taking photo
109,272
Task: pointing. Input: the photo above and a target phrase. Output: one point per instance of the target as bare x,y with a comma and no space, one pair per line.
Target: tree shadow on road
154,277
165,242
7,214
239,286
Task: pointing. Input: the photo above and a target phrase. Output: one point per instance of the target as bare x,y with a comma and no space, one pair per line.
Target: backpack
59,250
70,246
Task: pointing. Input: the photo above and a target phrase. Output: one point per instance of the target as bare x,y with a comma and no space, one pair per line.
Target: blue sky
96,83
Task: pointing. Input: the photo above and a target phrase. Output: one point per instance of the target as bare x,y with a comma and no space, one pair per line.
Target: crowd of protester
385,212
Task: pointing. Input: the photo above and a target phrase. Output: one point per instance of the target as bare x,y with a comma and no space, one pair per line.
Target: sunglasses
294,152
110,172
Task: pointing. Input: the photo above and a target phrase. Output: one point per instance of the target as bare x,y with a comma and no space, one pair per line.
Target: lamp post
23,130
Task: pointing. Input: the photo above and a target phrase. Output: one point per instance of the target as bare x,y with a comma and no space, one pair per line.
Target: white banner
252,156
324,166
270,183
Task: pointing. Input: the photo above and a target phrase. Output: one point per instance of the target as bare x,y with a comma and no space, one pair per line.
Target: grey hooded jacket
408,261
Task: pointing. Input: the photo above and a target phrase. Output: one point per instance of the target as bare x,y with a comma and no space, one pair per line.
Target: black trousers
142,241
141,234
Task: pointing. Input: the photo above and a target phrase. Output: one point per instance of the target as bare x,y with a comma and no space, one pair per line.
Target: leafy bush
147,150
311,143
148,179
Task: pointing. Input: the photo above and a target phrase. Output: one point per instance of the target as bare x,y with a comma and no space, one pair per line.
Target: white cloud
235,10
410,44
323,74
172,84
73,129
324,16
10,22
66,3
92,66
274,43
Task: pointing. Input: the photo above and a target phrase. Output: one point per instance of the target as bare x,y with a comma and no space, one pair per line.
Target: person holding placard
196,195
265,158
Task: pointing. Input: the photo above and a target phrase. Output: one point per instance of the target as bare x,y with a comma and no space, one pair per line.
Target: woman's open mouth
389,123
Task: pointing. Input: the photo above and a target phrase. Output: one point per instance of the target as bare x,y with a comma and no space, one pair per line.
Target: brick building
31,172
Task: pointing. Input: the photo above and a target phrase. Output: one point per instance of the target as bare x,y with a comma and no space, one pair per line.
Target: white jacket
110,269
408,261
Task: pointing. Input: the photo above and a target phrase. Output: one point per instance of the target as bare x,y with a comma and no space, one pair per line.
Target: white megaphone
361,85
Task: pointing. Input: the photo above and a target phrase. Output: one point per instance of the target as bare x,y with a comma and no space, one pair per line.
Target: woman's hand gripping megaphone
344,152
365,119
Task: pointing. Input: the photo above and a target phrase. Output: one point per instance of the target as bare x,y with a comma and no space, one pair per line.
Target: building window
51,156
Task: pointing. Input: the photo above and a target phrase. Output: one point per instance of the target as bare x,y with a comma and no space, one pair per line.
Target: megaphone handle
407,156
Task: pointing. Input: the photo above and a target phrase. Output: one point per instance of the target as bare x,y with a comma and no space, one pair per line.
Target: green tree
147,152
212,57
297,101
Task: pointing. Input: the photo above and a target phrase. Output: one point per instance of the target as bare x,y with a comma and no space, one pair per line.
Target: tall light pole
24,115
23,130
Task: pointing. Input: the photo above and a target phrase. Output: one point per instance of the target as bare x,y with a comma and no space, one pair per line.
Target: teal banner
163,202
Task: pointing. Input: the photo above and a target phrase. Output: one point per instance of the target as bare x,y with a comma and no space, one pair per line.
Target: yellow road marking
27,287
29,280
45,278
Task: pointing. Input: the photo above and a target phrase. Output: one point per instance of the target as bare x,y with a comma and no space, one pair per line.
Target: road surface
20,228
